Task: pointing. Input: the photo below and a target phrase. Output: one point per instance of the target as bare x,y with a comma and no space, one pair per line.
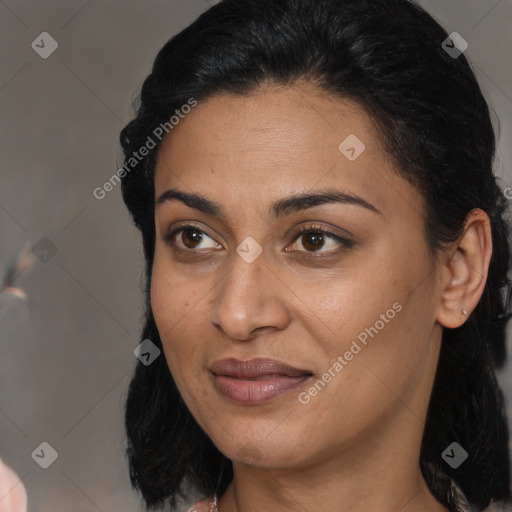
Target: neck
380,474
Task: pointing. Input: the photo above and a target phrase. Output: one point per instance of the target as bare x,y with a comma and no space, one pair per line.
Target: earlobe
465,271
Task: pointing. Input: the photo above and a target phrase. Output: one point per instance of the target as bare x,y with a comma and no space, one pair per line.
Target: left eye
315,239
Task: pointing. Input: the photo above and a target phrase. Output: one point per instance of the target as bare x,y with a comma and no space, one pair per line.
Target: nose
249,299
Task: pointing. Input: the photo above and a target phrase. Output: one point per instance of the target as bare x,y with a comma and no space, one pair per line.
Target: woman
326,262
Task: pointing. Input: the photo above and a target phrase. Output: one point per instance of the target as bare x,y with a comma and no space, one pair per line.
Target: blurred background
71,310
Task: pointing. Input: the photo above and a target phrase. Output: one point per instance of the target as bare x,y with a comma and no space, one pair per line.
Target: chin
260,445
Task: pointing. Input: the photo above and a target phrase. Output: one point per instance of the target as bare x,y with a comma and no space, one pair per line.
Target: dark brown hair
387,56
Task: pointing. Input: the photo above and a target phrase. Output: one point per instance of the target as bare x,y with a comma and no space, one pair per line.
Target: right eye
189,238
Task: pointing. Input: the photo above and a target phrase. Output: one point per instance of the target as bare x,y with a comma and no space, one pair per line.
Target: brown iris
194,239
314,240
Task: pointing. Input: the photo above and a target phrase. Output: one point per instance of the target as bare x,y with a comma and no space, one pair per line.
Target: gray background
67,351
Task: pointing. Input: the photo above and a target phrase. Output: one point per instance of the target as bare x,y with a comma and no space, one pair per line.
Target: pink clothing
13,497
200,506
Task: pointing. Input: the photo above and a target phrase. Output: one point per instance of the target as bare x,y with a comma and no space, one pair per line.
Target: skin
355,445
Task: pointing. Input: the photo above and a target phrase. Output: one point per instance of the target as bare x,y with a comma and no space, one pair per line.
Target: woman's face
350,303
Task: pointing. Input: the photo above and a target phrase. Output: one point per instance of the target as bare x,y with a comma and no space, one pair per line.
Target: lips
256,380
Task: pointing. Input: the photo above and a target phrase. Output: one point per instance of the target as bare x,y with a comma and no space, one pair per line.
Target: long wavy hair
387,56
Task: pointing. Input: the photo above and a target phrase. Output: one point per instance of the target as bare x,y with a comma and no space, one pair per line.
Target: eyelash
344,242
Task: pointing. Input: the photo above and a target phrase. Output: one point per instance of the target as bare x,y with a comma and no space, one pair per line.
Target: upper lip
256,367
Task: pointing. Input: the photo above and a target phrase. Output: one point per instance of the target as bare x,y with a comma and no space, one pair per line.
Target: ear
464,270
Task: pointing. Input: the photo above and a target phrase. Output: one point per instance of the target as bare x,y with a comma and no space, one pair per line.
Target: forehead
283,121
279,140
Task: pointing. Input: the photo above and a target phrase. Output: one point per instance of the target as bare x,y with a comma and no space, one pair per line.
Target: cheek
395,356
173,305
180,309
375,380
173,297
382,321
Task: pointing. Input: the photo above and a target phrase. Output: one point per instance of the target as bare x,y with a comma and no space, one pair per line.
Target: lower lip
256,391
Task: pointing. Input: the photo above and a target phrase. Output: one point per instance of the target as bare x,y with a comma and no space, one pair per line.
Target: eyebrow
281,208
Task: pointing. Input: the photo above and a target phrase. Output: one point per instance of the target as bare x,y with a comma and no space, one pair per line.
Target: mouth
256,380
